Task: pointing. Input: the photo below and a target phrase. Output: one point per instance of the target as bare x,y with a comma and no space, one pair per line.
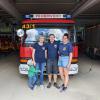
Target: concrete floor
83,86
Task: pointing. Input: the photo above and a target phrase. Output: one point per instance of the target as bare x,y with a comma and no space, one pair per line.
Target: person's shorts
63,61
52,66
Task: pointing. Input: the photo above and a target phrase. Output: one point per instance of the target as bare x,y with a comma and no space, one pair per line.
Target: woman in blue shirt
64,62
39,57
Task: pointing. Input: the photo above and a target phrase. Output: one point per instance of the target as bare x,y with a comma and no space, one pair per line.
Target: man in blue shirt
52,58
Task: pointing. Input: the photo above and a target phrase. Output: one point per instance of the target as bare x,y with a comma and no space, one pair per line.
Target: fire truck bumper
73,69
23,69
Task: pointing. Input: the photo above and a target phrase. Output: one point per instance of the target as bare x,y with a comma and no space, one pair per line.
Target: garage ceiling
46,6
17,8
93,12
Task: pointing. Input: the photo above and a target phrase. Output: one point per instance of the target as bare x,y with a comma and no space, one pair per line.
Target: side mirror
20,32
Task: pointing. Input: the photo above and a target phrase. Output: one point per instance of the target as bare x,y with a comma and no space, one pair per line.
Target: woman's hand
34,63
68,66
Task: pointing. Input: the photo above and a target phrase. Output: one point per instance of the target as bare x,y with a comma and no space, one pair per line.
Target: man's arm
46,54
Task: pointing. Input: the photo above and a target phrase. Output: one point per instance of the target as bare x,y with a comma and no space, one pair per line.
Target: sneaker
42,87
49,85
62,86
63,89
56,85
34,87
31,88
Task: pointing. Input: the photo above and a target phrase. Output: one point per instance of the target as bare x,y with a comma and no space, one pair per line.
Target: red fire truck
44,24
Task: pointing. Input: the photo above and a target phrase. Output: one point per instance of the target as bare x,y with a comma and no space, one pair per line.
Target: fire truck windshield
33,34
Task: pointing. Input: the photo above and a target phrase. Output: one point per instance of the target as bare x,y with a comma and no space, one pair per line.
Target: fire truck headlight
20,32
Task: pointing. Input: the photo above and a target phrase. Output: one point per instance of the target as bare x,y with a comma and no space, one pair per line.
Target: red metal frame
48,21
